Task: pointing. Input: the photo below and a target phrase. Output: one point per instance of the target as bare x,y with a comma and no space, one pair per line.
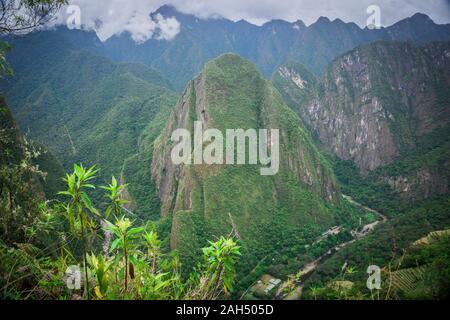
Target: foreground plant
79,210
135,267
217,273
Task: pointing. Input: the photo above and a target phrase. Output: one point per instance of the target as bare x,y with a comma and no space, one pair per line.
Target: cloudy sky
109,17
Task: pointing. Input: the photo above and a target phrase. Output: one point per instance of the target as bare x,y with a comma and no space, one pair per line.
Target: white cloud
168,27
141,27
111,17
117,16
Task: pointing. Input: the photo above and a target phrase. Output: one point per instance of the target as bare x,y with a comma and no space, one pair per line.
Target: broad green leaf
114,245
135,230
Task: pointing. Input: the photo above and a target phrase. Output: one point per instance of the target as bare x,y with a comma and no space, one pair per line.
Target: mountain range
268,46
363,117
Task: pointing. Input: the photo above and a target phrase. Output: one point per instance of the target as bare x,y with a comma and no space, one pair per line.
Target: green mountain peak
205,201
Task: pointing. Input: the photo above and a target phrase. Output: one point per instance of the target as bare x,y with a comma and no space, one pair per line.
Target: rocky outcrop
384,106
422,184
378,100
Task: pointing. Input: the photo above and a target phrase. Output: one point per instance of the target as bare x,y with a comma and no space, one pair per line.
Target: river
311,266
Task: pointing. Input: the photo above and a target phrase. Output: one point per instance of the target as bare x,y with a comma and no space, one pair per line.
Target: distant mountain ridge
268,46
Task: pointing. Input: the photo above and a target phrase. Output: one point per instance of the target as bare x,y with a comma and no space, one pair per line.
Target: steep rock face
298,86
386,107
210,200
26,160
350,126
13,153
378,100
20,184
11,141
422,184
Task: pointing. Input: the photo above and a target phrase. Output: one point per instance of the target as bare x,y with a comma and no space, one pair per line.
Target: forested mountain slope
87,109
273,216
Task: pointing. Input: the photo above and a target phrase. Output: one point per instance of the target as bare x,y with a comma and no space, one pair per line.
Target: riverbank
306,272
